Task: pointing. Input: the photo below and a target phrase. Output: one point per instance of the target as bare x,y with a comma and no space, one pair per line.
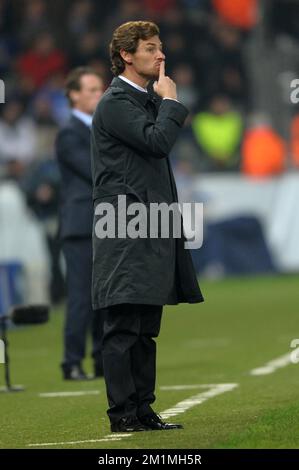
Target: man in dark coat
133,132
84,89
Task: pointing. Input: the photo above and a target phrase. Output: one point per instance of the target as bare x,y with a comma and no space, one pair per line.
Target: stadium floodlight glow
21,315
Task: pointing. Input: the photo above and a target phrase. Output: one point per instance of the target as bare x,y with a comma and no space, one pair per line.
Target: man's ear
74,96
126,56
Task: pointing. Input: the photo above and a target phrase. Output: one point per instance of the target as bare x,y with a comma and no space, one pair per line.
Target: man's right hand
165,87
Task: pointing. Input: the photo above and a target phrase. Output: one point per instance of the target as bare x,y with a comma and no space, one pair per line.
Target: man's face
87,98
147,58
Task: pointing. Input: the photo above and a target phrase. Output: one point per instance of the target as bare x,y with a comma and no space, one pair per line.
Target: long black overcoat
132,135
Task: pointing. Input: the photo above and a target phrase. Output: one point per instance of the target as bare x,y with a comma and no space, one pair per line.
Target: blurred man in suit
84,88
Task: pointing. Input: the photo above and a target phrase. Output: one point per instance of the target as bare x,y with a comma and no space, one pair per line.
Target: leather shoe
155,423
76,373
128,424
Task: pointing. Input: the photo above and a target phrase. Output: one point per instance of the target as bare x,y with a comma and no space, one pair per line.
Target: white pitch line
198,399
69,394
273,365
97,392
186,387
181,407
78,442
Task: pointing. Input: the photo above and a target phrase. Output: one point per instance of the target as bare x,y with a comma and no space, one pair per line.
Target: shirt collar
138,87
84,117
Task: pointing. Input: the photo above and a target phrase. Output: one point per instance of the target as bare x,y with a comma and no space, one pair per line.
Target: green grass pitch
243,324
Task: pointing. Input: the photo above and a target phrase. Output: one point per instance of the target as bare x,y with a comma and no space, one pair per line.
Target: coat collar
142,97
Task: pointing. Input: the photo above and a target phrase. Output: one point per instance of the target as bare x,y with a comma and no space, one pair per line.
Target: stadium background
234,63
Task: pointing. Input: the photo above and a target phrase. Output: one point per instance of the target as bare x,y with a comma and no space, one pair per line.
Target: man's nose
161,55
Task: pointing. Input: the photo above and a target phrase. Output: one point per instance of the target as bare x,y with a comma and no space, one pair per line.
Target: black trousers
129,358
80,317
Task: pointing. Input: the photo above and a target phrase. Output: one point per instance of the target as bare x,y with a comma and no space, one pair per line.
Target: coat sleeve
72,152
129,123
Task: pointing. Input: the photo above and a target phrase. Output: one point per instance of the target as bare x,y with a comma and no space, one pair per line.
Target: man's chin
156,74
153,75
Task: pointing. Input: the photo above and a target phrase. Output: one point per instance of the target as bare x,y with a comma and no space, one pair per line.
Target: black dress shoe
76,373
155,423
128,424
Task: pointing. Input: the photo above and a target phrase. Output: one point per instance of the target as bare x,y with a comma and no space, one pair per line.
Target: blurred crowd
205,43
42,40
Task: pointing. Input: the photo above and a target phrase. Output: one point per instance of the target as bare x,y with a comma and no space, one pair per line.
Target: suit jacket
132,135
73,154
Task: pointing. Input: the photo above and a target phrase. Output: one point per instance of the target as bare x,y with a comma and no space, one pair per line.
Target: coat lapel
149,101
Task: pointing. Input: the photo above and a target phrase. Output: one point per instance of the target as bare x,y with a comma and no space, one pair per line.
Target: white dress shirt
138,87
84,117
